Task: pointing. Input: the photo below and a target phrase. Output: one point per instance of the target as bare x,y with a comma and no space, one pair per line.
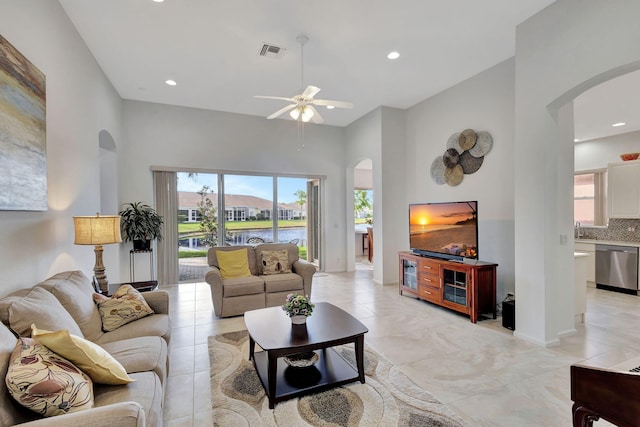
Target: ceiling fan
302,105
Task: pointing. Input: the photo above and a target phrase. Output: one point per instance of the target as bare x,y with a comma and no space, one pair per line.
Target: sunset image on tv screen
449,228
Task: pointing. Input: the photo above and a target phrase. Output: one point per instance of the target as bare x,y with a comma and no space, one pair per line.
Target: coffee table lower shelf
331,370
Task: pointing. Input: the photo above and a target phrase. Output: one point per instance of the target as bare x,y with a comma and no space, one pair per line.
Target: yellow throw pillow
275,262
92,359
124,306
233,263
45,382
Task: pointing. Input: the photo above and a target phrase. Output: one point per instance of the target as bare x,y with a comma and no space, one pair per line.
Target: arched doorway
363,213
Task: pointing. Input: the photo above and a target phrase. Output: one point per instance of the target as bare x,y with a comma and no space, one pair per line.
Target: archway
360,195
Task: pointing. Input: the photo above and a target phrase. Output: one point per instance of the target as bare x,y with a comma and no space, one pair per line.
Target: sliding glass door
217,209
248,209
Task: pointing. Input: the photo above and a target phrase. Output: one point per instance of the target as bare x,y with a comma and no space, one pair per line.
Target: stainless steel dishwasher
617,267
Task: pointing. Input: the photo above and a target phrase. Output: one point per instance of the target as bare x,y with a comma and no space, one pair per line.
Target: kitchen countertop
608,242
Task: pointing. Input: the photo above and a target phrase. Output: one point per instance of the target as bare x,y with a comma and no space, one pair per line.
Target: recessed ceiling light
330,107
171,82
576,140
615,125
158,1
393,55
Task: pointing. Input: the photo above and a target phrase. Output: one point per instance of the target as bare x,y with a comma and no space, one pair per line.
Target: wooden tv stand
466,287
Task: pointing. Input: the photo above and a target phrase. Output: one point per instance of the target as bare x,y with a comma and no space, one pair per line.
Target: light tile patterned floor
481,371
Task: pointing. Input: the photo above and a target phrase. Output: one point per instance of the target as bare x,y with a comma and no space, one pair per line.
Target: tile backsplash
622,230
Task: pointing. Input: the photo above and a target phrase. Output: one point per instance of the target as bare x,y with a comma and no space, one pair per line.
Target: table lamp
97,230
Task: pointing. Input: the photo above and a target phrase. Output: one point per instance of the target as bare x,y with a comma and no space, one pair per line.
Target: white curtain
166,188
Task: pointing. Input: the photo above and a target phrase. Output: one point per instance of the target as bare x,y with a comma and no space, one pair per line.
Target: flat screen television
446,230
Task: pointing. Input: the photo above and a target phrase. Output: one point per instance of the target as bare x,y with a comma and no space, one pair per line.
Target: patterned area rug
388,398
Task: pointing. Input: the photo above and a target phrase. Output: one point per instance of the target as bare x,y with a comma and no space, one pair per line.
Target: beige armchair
234,296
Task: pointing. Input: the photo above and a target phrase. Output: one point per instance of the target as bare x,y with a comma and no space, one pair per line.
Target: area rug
388,398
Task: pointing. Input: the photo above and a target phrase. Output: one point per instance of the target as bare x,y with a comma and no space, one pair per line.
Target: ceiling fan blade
317,118
338,104
282,110
274,97
310,92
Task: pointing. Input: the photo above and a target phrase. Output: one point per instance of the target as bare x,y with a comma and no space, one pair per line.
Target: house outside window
589,198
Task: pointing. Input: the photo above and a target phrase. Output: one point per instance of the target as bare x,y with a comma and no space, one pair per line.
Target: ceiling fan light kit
301,107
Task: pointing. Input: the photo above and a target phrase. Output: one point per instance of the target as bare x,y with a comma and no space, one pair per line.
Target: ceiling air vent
272,51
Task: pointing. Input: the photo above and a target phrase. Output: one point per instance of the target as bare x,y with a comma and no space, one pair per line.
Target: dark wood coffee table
329,326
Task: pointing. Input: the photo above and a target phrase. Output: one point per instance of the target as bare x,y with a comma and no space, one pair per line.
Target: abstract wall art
23,154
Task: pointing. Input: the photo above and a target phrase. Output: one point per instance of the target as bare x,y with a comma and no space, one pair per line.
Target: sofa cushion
45,382
234,263
91,358
275,262
146,390
242,286
74,291
124,306
157,325
282,283
35,305
141,354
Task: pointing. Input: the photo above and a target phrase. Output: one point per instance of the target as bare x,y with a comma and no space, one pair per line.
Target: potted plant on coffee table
140,223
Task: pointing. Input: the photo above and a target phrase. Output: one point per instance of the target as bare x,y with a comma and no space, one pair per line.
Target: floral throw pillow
124,306
46,383
275,262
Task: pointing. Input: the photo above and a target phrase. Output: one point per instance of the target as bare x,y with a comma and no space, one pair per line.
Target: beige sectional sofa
234,296
65,301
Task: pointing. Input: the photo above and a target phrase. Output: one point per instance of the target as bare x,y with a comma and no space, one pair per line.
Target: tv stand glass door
455,286
410,274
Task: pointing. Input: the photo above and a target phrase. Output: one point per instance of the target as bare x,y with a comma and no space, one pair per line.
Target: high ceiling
211,49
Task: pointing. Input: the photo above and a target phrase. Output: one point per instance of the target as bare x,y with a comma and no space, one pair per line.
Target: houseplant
298,307
140,223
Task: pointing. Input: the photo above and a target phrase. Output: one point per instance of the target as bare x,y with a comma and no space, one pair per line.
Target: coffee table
329,326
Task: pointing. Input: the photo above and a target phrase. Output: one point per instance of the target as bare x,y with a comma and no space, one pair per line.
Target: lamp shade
96,230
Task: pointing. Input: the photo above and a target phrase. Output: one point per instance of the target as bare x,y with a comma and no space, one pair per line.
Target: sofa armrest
125,414
158,301
214,279
306,270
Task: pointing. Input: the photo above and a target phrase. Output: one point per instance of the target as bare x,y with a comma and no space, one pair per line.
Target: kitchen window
589,198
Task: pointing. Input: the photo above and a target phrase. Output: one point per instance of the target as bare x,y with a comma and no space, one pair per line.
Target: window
589,198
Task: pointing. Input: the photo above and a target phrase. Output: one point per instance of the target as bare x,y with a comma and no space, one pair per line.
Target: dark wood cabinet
466,287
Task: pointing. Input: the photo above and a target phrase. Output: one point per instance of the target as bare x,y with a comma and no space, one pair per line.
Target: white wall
483,103
171,136
364,141
80,103
567,48
389,235
363,179
597,153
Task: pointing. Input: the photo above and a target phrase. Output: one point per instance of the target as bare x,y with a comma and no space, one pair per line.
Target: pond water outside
240,237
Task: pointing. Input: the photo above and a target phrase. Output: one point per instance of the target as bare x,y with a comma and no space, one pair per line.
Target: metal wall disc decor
437,171
453,142
450,157
469,163
467,139
463,156
453,176
483,145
